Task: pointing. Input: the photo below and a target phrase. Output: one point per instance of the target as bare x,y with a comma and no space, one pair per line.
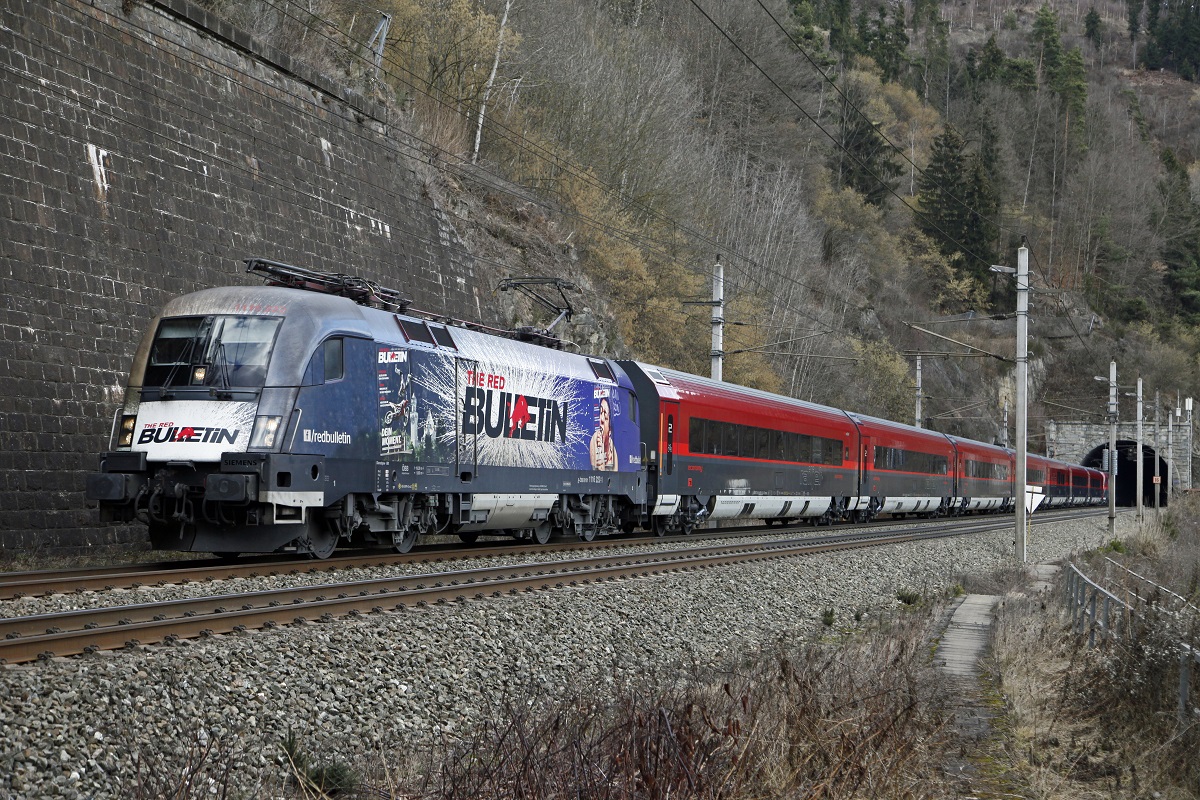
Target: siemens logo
325,437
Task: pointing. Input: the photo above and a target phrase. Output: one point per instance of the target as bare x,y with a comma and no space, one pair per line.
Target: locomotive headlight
198,374
263,436
125,435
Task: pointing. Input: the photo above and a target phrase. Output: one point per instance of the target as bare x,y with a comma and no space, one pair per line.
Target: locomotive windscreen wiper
221,364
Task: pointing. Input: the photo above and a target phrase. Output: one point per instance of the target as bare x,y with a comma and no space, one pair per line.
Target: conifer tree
863,161
941,193
1092,25
1179,225
1045,33
959,204
1070,82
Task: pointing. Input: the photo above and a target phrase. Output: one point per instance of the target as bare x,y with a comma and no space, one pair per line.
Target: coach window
696,435
334,369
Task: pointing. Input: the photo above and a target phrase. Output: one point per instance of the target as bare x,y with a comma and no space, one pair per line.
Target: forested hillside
855,166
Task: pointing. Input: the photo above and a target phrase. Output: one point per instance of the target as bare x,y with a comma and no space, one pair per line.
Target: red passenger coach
906,469
729,452
1037,475
1058,482
1099,487
984,476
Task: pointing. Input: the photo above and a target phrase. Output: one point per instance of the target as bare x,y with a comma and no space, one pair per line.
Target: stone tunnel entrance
1126,482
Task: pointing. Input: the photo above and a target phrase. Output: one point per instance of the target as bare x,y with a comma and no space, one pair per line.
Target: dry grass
857,718
1102,722
863,718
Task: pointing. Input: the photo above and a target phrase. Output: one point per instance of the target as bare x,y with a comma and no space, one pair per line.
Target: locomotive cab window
219,351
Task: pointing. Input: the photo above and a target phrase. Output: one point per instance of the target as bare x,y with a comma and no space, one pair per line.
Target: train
319,411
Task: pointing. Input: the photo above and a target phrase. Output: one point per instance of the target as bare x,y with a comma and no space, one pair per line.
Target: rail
66,633
1097,610
1183,603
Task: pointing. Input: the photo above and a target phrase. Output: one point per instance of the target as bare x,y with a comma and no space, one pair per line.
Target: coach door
469,424
669,429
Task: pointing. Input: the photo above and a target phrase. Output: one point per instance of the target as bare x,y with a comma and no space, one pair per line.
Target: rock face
145,149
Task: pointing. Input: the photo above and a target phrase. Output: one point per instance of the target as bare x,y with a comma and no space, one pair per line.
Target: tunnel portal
1126,481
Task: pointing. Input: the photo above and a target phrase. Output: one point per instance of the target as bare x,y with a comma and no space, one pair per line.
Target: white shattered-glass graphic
439,379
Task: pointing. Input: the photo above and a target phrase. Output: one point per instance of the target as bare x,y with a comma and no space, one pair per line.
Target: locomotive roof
312,316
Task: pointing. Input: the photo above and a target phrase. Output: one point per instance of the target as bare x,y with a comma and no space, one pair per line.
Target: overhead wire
863,115
522,142
891,190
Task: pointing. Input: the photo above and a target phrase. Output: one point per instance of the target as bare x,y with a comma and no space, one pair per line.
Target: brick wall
142,156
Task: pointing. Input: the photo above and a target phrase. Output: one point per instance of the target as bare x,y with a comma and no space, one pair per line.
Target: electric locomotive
270,418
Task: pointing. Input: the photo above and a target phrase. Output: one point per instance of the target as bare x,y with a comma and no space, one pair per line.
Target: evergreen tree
941,191
1173,38
959,205
841,27
863,160
981,232
887,44
991,61
1070,82
1092,25
802,28
1134,15
1179,223
1045,33
989,150
1020,75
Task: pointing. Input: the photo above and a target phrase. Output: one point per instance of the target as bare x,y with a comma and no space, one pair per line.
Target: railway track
66,633
35,583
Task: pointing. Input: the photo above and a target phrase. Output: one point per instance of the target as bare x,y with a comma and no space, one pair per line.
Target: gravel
359,688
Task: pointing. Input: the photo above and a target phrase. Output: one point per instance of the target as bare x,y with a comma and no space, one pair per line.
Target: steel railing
1096,610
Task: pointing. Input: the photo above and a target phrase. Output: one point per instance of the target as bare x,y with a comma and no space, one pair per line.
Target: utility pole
918,390
1170,479
1141,515
1022,478
1112,450
1187,404
1157,459
718,320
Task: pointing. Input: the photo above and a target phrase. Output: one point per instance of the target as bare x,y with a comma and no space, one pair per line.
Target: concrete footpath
964,643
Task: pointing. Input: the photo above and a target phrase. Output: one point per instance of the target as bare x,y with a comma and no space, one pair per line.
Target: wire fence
1104,616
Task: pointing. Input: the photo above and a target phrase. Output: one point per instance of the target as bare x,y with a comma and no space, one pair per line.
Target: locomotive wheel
586,533
542,533
405,542
659,526
470,537
322,539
